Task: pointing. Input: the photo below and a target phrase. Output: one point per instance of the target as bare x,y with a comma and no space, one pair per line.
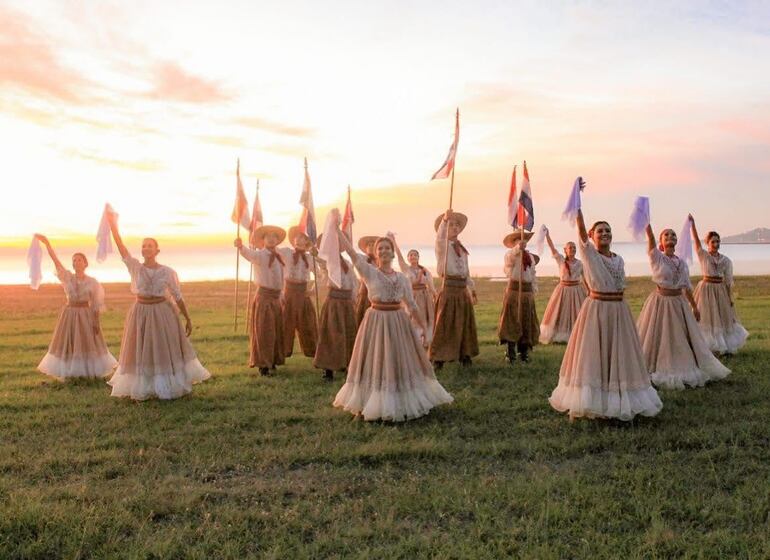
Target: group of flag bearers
391,331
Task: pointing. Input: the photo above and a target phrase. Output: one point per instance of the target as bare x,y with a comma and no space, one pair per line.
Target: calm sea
486,260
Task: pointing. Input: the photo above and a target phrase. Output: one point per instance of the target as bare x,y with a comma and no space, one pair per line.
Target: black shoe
264,371
523,351
524,357
328,375
467,362
438,366
510,353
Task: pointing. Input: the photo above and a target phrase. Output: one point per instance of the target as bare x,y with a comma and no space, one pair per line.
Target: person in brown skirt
519,327
299,315
454,335
266,345
366,245
337,323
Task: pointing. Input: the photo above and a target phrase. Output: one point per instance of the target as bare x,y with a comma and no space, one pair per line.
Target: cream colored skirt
718,320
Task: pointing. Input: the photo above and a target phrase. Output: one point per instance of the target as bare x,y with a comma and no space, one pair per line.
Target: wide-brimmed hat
514,237
364,242
462,218
294,233
262,231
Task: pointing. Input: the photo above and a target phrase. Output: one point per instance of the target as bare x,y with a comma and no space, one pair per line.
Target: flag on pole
512,202
256,218
525,215
241,209
347,219
307,223
449,163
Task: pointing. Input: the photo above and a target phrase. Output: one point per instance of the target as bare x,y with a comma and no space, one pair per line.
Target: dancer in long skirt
299,314
156,357
337,322
454,336
674,348
266,345
518,327
714,297
77,348
389,377
366,245
423,289
567,297
603,372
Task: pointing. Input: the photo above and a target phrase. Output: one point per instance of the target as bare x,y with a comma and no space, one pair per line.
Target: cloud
135,165
229,141
28,61
173,83
274,127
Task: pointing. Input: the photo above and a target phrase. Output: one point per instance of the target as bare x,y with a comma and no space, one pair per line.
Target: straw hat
294,233
514,237
366,240
459,216
262,231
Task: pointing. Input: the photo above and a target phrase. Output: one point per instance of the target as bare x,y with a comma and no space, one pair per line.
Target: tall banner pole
237,272
251,276
451,197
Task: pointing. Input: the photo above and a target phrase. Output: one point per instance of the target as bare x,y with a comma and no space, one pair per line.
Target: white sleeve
408,293
441,243
174,287
133,265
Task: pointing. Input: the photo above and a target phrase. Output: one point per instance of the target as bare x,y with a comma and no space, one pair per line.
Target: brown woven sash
150,300
607,296
268,293
713,279
419,287
292,286
669,291
455,281
386,305
337,293
78,304
570,282
513,286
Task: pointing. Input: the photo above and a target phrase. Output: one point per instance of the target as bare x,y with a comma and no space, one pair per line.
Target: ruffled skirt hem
389,405
165,386
62,369
693,378
593,402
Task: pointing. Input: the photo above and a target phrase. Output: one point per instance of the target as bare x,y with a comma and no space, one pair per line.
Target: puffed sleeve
441,241
252,255
133,265
364,268
174,288
510,259
559,258
63,275
729,280
97,296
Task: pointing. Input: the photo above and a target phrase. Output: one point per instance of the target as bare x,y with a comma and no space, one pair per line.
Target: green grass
265,467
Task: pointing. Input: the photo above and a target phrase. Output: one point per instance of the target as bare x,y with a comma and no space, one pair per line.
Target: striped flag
256,218
347,219
525,215
241,209
307,224
449,163
512,202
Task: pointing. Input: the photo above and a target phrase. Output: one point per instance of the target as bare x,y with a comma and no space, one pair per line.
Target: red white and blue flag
240,213
525,214
307,224
449,162
348,219
512,202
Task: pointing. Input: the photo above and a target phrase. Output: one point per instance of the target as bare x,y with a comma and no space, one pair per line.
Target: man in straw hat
454,337
519,326
299,315
366,245
266,344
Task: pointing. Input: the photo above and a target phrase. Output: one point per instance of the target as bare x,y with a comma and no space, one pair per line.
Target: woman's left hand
188,327
696,312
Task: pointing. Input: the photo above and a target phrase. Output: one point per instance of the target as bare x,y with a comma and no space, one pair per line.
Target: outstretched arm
554,252
401,262
695,236
44,240
188,322
650,238
116,236
581,226
347,246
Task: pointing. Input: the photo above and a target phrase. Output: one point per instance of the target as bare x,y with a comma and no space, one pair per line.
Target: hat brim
364,242
458,215
512,238
294,233
262,231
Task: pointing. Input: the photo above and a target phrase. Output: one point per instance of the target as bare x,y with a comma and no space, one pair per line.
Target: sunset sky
147,105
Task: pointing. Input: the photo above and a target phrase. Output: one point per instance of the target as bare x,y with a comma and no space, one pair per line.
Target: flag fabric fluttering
35,261
513,203
307,223
241,208
347,219
256,218
525,214
103,234
684,242
329,250
449,162
540,239
574,203
640,218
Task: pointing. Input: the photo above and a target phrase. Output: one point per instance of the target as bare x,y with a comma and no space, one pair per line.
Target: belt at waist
337,293
607,296
570,282
713,279
296,286
455,281
513,285
150,300
78,304
669,291
268,292
419,287
386,305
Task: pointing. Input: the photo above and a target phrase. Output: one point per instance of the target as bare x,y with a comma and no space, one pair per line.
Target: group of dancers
391,331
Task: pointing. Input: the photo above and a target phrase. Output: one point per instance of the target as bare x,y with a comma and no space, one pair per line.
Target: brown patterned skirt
337,331
299,316
362,303
510,328
266,332
454,335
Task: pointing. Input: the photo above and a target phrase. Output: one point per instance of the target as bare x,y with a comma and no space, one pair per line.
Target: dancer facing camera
423,290
299,315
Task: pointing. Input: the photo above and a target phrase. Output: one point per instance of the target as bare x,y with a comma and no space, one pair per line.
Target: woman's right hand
42,238
238,243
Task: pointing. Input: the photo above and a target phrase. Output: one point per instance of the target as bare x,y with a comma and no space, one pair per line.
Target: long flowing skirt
673,345
603,373
156,358
362,303
336,334
75,351
718,320
561,313
389,376
511,328
299,316
266,345
454,335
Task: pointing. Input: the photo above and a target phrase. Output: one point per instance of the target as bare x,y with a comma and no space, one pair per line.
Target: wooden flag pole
451,197
251,275
237,271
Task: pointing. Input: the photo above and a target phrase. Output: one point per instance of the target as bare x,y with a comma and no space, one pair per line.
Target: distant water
486,260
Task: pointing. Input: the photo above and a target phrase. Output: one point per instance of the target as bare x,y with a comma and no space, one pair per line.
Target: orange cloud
28,62
274,127
173,83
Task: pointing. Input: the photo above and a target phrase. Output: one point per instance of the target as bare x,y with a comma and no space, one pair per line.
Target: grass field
265,467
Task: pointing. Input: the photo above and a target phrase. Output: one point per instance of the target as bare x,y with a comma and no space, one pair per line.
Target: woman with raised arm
603,373
366,245
674,348
389,376
77,348
423,289
713,295
567,298
156,358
